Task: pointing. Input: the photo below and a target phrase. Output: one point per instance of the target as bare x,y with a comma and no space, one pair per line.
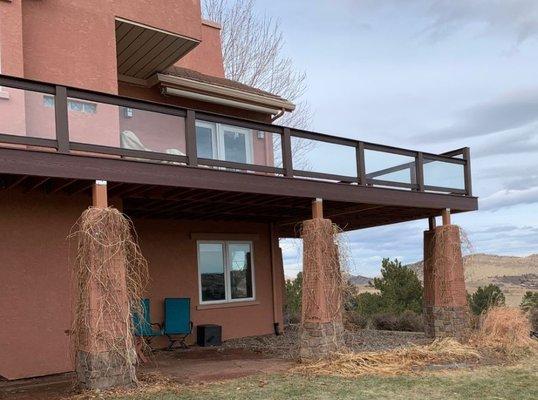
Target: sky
430,75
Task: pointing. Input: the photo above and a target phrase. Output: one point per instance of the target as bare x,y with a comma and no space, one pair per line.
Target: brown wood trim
234,165
28,140
220,119
322,175
253,237
122,101
116,151
445,189
231,304
391,183
320,137
71,166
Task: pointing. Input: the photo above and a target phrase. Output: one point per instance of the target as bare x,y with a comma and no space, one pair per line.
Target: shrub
408,321
368,304
529,301
533,317
292,300
355,320
486,297
399,287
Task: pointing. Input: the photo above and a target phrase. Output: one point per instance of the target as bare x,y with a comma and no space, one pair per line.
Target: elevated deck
169,162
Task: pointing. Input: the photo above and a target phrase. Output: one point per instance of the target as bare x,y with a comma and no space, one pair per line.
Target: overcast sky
431,75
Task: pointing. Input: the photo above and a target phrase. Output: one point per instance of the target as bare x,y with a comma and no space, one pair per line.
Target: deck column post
98,366
322,331
100,194
446,312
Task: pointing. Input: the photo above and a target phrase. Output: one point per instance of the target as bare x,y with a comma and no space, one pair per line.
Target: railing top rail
87,94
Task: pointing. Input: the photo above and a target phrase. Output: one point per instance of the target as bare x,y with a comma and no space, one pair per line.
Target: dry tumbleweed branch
110,275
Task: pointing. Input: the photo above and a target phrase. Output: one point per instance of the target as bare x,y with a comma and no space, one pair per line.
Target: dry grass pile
507,330
392,362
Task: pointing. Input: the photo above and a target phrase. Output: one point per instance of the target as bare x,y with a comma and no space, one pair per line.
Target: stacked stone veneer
105,370
322,331
320,339
446,312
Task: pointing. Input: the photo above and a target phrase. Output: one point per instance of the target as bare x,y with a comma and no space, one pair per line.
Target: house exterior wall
207,56
36,292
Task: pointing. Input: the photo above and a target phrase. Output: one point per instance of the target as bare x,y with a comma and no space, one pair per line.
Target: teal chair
142,326
177,320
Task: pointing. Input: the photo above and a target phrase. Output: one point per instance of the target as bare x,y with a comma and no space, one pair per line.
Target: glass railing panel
443,174
27,113
389,167
226,142
323,157
124,127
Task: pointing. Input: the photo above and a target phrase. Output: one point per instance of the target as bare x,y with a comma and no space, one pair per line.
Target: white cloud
508,198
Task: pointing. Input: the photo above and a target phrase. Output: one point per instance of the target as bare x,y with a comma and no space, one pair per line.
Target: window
223,142
225,271
73,105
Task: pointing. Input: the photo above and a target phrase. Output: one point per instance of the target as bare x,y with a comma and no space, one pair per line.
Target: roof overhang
142,50
203,91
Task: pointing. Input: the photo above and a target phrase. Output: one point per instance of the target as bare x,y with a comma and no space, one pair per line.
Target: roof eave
222,91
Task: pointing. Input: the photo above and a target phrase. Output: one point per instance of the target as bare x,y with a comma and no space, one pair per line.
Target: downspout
278,115
276,324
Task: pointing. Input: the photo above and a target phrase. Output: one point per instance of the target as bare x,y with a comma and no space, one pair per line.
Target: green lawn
515,382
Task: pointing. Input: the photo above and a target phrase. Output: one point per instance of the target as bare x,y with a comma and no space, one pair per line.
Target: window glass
211,265
204,141
235,146
240,270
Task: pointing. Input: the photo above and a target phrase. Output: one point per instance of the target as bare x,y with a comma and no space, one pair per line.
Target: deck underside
152,190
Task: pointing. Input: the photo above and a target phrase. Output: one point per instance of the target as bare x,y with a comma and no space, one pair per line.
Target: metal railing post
61,119
419,171
361,164
190,138
287,160
467,171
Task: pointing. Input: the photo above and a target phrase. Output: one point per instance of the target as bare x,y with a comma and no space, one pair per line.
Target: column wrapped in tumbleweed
322,330
109,276
446,312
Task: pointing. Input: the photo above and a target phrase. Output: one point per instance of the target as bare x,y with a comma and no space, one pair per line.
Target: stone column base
104,370
319,340
441,322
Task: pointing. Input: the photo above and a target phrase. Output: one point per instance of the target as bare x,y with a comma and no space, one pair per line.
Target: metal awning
142,50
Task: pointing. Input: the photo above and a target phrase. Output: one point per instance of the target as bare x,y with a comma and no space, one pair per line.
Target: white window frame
217,135
227,269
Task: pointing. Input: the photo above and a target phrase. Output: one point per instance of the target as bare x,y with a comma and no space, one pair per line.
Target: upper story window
224,142
73,105
226,271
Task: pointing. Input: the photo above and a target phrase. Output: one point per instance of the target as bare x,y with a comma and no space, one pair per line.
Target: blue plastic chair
177,320
142,325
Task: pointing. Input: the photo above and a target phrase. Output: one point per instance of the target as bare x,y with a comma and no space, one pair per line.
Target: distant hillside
514,275
359,280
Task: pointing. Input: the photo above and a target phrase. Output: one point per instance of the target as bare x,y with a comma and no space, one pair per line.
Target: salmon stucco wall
171,253
207,56
81,35
35,290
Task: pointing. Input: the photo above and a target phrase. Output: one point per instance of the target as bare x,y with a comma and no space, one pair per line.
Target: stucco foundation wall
171,253
35,294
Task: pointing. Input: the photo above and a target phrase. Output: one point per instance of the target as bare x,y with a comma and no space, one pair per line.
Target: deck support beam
322,330
446,312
